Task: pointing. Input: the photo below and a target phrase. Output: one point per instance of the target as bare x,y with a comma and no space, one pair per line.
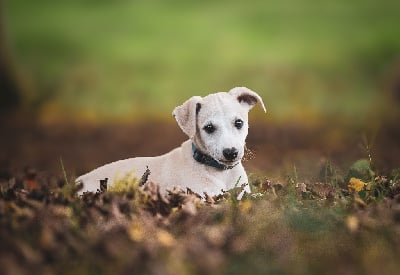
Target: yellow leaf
135,233
352,223
165,238
356,184
245,206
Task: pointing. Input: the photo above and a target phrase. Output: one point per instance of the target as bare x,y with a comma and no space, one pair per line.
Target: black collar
207,160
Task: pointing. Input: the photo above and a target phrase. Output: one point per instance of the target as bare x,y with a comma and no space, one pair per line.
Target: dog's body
209,162
169,171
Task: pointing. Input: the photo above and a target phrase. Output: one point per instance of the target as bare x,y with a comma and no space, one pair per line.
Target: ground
310,212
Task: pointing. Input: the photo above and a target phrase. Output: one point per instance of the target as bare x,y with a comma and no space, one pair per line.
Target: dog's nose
230,153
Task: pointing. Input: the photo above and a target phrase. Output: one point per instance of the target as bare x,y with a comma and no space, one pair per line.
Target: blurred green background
105,60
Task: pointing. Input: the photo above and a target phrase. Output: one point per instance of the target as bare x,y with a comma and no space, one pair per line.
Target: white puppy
209,162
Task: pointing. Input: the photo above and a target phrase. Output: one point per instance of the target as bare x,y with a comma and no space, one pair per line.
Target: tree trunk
10,88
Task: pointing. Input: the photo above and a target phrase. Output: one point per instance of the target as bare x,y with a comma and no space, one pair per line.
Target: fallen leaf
352,223
165,238
356,184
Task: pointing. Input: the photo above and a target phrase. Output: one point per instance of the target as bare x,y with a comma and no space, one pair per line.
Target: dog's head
218,123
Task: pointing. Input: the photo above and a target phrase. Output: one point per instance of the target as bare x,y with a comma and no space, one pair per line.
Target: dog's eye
239,123
209,128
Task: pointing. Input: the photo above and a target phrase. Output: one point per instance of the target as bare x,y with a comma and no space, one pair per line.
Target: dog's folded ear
185,115
247,97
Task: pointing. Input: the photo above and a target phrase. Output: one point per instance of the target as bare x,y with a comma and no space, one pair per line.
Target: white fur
178,168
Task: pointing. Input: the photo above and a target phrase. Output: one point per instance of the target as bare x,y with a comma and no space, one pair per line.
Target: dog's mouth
228,162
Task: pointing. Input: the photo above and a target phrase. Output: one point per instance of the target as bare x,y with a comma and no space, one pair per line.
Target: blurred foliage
113,59
281,228
361,169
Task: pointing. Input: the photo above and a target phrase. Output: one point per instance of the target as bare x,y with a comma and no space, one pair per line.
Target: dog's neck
207,160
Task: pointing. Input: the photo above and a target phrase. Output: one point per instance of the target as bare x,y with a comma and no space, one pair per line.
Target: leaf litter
130,228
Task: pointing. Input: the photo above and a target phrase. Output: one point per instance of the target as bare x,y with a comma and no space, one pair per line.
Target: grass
119,58
281,228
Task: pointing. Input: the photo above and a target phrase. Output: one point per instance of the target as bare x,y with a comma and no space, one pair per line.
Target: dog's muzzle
230,154
207,160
